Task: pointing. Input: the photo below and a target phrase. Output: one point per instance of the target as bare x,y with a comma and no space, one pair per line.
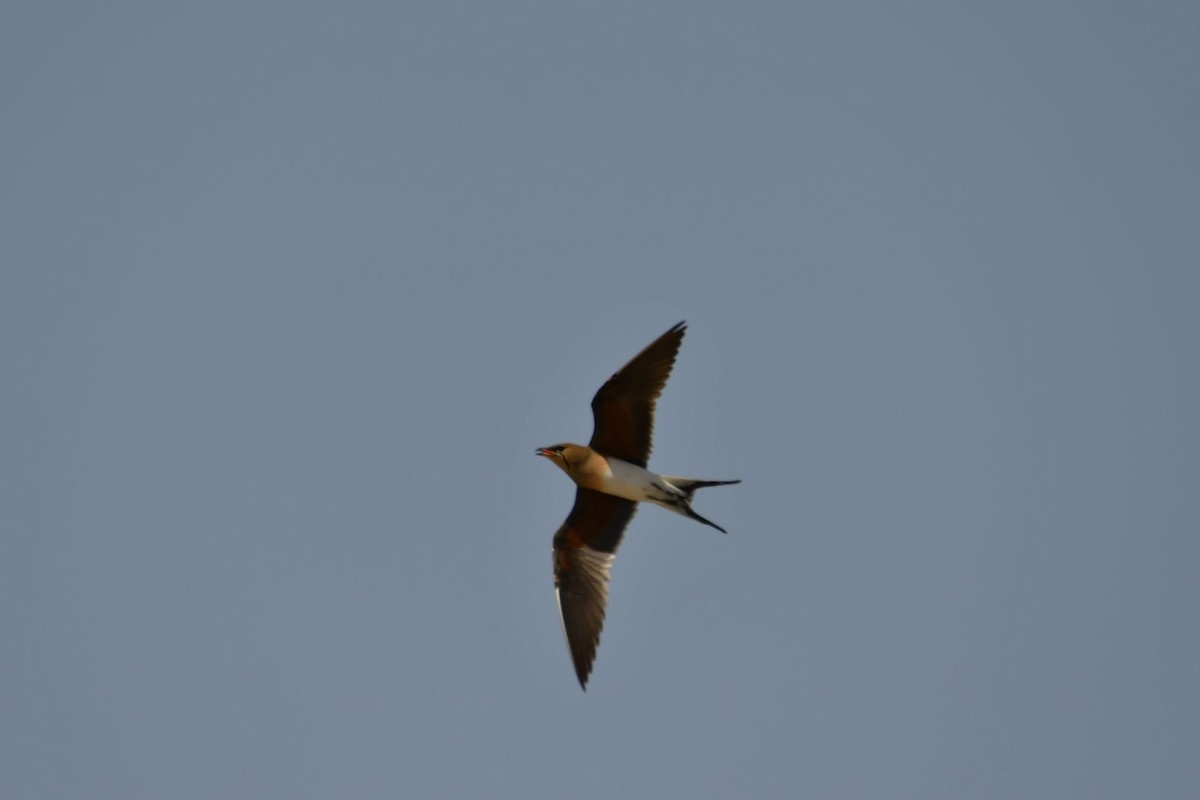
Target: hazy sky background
290,292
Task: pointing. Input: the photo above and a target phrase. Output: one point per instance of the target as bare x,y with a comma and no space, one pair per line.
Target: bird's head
565,456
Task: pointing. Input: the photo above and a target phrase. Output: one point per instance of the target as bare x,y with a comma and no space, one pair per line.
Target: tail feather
689,485
690,514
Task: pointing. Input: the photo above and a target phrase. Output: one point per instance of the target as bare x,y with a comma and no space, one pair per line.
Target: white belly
631,482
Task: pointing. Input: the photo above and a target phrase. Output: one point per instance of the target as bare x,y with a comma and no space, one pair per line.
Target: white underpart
636,483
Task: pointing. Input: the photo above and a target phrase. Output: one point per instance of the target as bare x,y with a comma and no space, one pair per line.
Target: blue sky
290,293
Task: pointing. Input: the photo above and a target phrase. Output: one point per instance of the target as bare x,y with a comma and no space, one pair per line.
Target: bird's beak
541,451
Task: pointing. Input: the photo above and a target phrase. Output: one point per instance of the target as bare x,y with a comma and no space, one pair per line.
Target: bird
611,478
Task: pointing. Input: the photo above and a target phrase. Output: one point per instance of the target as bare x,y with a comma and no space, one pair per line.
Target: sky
290,292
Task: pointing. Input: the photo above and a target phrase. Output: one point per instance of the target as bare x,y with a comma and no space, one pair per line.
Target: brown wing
584,549
624,406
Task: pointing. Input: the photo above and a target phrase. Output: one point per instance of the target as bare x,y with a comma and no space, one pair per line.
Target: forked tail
688,486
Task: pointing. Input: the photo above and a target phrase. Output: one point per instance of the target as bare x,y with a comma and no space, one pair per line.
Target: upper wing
624,406
584,549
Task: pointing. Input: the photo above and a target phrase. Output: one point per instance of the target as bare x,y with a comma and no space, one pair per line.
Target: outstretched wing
584,548
624,406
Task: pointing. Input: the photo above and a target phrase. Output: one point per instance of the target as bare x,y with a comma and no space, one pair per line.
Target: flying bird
611,478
